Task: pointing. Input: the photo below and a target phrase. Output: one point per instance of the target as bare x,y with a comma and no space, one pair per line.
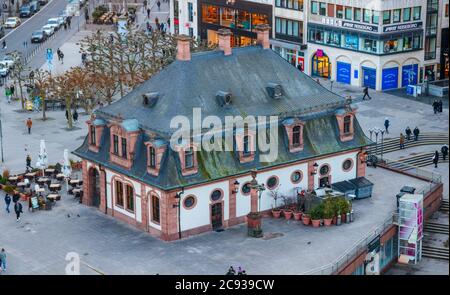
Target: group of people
240,271
18,209
162,27
408,133
437,106
9,92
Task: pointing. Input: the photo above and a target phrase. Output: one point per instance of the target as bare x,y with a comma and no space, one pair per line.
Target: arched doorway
94,181
321,65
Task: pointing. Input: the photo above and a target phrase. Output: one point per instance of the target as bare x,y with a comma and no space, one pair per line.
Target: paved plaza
40,241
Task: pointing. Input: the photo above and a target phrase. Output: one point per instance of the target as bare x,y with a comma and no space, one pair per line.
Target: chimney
183,48
224,41
263,35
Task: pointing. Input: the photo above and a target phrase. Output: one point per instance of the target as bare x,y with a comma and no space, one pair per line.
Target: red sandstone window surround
294,131
246,145
124,195
346,126
119,193
155,152
155,209
130,198
188,159
95,134
122,145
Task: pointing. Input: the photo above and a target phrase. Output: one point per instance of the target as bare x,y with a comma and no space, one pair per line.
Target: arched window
152,156
119,193
155,209
296,136
130,197
189,158
347,123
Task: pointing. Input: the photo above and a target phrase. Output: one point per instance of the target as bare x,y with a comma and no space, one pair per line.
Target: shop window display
351,41
210,14
243,20
227,17
333,38
369,45
390,46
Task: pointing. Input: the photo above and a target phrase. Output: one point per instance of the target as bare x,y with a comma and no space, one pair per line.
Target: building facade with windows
132,172
377,44
183,14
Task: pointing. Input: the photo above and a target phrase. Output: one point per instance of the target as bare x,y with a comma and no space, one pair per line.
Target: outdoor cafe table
53,197
13,179
74,182
55,187
30,175
43,180
77,192
60,176
40,190
49,171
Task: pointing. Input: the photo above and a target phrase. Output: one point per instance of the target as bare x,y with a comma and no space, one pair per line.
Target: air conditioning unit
150,99
223,98
274,90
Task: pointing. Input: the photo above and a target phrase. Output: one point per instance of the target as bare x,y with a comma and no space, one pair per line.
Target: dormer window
347,124
152,157
92,135
189,158
116,144
124,147
246,145
296,136
294,133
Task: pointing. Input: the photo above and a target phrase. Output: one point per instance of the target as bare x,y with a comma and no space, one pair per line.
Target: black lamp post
178,205
315,166
236,187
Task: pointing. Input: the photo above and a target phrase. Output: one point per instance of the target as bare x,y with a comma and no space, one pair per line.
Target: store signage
360,27
374,245
402,27
319,53
349,25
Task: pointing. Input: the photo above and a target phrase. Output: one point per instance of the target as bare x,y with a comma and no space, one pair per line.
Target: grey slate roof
246,73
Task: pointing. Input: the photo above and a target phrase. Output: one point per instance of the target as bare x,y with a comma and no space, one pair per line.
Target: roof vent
275,90
150,99
223,98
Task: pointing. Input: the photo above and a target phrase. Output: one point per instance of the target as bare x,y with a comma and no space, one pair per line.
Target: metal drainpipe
102,169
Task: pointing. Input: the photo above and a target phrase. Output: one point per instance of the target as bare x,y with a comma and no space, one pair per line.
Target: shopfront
410,74
321,65
389,78
292,53
343,72
369,77
240,17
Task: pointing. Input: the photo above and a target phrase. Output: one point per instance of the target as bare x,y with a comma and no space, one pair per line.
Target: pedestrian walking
444,151
159,5
3,260
239,271
29,124
8,94
75,116
318,81
13,89
402,141
58,53
15,198
148,12
69,21
416,132
4,44
366,93
231,271
408,133
7,202
18,210
386,125
435,106
65,26
62,58
436,159
440,106
168,22
83,58
28,162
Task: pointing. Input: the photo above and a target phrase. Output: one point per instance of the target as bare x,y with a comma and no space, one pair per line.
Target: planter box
254,225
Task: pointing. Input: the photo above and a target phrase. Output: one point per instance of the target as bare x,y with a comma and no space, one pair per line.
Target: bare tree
19,74
41,82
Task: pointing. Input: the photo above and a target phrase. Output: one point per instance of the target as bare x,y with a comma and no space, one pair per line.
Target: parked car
12,22
4,69
61,21
35,6
48,30
38,37
54,22
25,11
43,2
64,15
9,60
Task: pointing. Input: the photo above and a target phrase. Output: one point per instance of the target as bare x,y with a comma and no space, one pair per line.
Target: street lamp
254,218
377,131
382,140
315,166
236,187
178,205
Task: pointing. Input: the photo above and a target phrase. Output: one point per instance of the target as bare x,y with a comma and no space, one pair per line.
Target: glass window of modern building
348,13
357,14
339,11
330,10
386,17
369,45
259,19
289,28
333,38
190,11
406,14
290,4
417,12
314,7
351,41
210,14
375,17
367,14
243,20
391,45
322,8
227,17
396,15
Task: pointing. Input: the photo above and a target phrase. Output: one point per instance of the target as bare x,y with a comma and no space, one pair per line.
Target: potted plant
306,218
287,210
276,212
316,215
328,212
297,215
343,208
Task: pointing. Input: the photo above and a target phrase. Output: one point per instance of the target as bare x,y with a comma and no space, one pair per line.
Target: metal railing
433,177
356,249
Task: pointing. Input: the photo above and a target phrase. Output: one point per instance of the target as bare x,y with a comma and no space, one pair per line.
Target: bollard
352,216
347,218
338,220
